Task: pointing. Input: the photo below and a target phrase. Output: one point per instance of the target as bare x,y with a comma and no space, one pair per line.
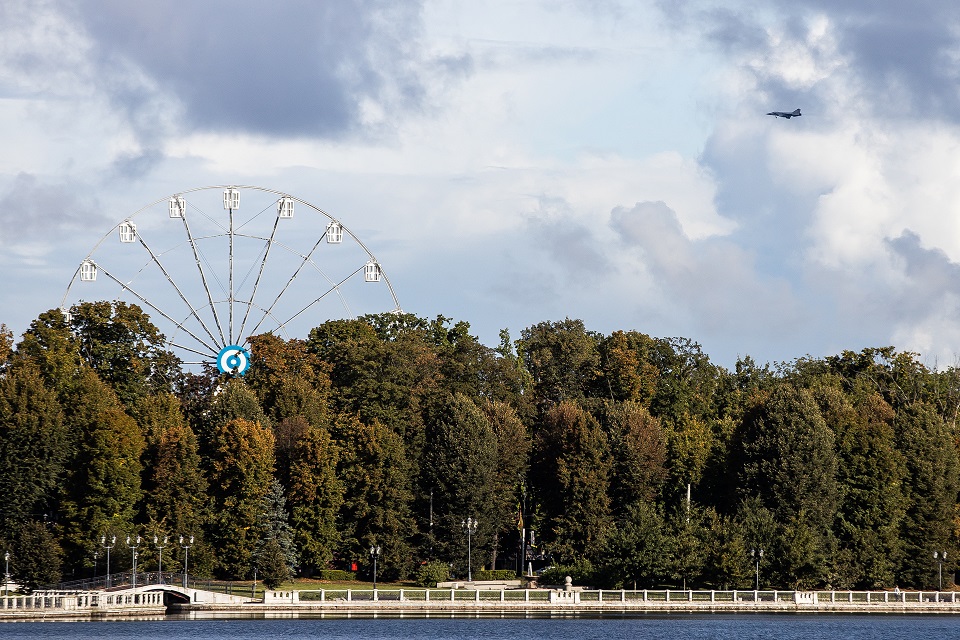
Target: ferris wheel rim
179,327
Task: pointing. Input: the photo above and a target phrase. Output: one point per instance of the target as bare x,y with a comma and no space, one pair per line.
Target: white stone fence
601,597
81,601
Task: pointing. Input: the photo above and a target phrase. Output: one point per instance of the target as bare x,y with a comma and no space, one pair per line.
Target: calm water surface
667,627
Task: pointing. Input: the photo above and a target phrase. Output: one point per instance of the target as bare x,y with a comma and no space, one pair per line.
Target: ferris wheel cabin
231,199
128,231
177,206
88,271
285,208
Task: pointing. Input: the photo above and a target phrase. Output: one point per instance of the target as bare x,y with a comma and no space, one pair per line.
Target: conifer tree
274,529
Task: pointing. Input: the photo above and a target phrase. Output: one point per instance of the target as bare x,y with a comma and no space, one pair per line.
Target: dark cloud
930,273
136,165
288,68
734,31
34,211
572,247
904,55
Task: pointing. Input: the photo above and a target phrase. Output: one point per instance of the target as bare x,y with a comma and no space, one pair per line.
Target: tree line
635,460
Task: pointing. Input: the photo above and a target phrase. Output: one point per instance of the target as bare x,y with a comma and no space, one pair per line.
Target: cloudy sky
515,161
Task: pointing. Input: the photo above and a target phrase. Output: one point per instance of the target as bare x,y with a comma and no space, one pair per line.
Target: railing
601,597
80,601
123,579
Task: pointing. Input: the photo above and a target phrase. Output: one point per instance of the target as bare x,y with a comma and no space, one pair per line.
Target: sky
510,162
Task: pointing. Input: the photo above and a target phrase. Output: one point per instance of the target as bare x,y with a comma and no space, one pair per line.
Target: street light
96,555
185,545
6,574
103,543
470,526
757,554
940,557
375,553
160,547
133,549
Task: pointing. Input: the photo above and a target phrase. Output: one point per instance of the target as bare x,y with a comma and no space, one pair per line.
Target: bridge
143,600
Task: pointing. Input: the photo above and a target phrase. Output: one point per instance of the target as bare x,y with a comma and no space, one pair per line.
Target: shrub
430,573
498,574
582,573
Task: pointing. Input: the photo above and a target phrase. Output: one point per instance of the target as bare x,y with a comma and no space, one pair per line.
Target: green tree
289,379
688,536
562,358
870,475
381,369
789,461
572,481
51,346
634,552
6,344
273,564
461,466
124,347
102,491
727,563
628,374
33,446
639,466
241,470
513,462
307,460
35,556
376,508
931,489
176,497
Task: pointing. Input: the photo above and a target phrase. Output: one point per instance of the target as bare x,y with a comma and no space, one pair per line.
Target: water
607,627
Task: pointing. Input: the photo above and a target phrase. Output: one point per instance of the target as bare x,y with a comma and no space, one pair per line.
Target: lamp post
757,554
160,547
96,554
470,526
940,557
185,544
133,549
108,544
375,553
6,573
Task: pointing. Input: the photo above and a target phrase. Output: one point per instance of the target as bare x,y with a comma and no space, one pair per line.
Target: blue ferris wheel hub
233,359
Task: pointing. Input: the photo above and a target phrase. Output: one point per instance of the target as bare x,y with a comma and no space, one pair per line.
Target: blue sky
515,162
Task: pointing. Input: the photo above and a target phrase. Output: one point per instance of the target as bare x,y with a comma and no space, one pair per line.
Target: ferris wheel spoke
203,279
205,354
231,275
256,284
325,293
193,311
147,302
303,263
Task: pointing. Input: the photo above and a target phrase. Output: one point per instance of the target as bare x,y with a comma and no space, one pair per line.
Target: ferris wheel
211,273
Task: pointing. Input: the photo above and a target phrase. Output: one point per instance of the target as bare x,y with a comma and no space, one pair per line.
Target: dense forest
632,461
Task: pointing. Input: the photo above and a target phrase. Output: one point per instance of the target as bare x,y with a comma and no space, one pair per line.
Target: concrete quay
518,601
155,601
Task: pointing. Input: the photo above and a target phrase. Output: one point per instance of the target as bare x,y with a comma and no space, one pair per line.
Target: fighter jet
785,114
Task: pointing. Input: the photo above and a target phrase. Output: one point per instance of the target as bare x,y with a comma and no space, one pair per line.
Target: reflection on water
497,626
